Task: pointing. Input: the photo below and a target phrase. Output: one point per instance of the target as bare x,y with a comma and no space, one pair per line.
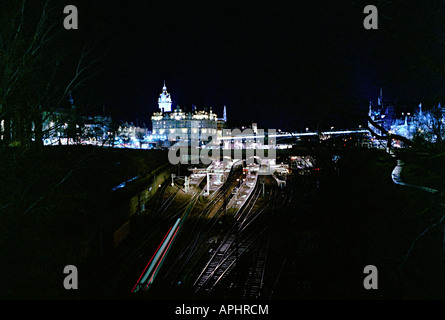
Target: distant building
221,124
96,128
179,124
61,125
406,124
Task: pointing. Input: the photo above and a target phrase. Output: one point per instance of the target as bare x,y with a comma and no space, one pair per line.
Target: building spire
225,114
380,99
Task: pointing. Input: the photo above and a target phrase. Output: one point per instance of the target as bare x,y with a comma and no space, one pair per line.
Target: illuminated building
406,124
179,124
165,101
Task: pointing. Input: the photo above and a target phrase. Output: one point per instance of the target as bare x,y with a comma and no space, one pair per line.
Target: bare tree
36,70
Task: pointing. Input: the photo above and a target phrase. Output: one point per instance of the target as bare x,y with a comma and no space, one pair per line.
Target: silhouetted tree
37,69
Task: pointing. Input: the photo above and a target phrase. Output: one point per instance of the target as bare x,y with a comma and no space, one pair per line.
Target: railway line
201,226
237,243
241,251
255,272
254,286
216,251
217,247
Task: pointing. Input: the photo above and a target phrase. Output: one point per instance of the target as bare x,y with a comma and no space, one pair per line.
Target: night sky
283,64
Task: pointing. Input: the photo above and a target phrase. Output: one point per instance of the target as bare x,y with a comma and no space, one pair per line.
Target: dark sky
285,64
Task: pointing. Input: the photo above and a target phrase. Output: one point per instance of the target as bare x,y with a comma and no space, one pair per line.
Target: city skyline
302,60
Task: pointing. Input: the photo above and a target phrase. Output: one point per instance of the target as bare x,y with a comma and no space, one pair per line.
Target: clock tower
165,101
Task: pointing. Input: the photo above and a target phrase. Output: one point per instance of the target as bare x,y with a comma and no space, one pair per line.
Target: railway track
211,252
202,226
222,262
254,286
237,243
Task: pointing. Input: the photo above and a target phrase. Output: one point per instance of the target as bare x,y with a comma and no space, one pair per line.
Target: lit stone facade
181,125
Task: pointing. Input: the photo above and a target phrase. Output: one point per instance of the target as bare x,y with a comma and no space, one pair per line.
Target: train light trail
151,259
155,272
159,253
